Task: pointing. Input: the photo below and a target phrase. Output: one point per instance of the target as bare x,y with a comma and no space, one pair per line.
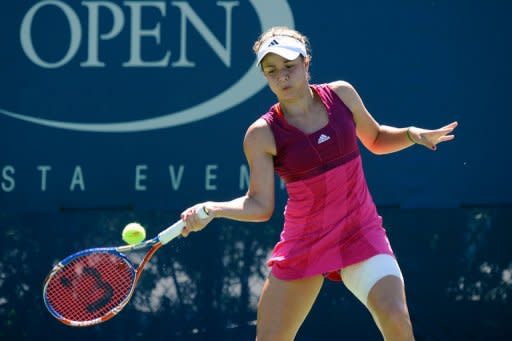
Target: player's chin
287,93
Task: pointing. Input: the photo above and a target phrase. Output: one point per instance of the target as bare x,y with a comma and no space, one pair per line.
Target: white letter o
26,34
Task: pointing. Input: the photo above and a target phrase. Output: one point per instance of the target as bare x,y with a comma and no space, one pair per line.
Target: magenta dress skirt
331,222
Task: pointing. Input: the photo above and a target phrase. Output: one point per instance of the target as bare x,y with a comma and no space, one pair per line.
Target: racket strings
90,286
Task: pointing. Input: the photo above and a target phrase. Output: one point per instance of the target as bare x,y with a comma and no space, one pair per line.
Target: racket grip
175,229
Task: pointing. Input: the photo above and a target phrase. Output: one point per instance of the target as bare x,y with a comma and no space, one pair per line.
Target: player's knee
394,318
400,323
396,312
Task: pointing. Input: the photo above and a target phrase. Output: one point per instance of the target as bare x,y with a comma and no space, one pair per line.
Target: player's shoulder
341,86
259,134
345,91
260,123
258,129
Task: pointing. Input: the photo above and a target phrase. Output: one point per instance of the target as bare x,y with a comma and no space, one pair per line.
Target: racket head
89,287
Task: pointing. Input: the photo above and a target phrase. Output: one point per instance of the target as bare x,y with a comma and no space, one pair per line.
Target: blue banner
144,104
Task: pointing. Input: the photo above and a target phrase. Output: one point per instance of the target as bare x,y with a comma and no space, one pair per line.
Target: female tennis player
331,225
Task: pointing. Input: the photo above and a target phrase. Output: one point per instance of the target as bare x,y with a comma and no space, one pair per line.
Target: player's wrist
210,209
410,135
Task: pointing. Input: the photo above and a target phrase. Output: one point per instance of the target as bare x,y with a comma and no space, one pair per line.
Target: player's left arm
383,139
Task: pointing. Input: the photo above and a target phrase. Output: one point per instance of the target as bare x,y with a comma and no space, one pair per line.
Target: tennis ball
133,233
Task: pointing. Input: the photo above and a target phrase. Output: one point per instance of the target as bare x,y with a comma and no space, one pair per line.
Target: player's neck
301,105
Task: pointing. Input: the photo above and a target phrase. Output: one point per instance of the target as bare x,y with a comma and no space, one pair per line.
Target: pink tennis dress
330,219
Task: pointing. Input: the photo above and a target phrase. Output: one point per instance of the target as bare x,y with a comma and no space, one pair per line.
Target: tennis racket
93,285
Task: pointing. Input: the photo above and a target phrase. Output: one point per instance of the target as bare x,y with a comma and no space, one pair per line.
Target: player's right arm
258,203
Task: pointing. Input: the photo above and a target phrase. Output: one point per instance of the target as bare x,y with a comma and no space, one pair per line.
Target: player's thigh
361,278
284,305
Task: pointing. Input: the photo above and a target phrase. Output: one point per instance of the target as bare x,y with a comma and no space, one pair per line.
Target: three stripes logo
323,138
273,42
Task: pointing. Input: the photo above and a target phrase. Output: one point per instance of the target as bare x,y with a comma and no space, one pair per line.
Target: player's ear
307,63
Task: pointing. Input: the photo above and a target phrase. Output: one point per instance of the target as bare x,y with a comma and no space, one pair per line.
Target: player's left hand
431,138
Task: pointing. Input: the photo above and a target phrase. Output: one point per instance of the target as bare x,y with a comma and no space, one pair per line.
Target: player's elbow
264,211
266,216
374,144
378,151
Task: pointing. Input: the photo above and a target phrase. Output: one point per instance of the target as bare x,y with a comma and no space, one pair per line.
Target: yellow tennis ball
133,233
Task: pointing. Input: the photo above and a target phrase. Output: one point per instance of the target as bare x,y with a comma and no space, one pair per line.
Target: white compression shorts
360,278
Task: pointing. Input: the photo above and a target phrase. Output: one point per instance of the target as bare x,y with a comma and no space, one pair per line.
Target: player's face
285,77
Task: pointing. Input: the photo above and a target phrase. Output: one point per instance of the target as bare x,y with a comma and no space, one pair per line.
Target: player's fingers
446,138
451,125
442,131
185,215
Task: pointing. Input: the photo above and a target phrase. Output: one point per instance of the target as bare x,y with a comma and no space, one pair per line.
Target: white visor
287,47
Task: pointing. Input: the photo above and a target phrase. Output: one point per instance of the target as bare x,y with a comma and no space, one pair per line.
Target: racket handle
175,229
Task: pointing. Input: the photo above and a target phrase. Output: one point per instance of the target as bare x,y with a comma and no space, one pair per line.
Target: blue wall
420,63
101,124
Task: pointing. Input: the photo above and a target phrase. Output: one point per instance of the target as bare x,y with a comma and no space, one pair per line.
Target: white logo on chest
323,138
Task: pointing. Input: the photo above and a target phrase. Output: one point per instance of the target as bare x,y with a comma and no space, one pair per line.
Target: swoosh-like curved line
271,13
